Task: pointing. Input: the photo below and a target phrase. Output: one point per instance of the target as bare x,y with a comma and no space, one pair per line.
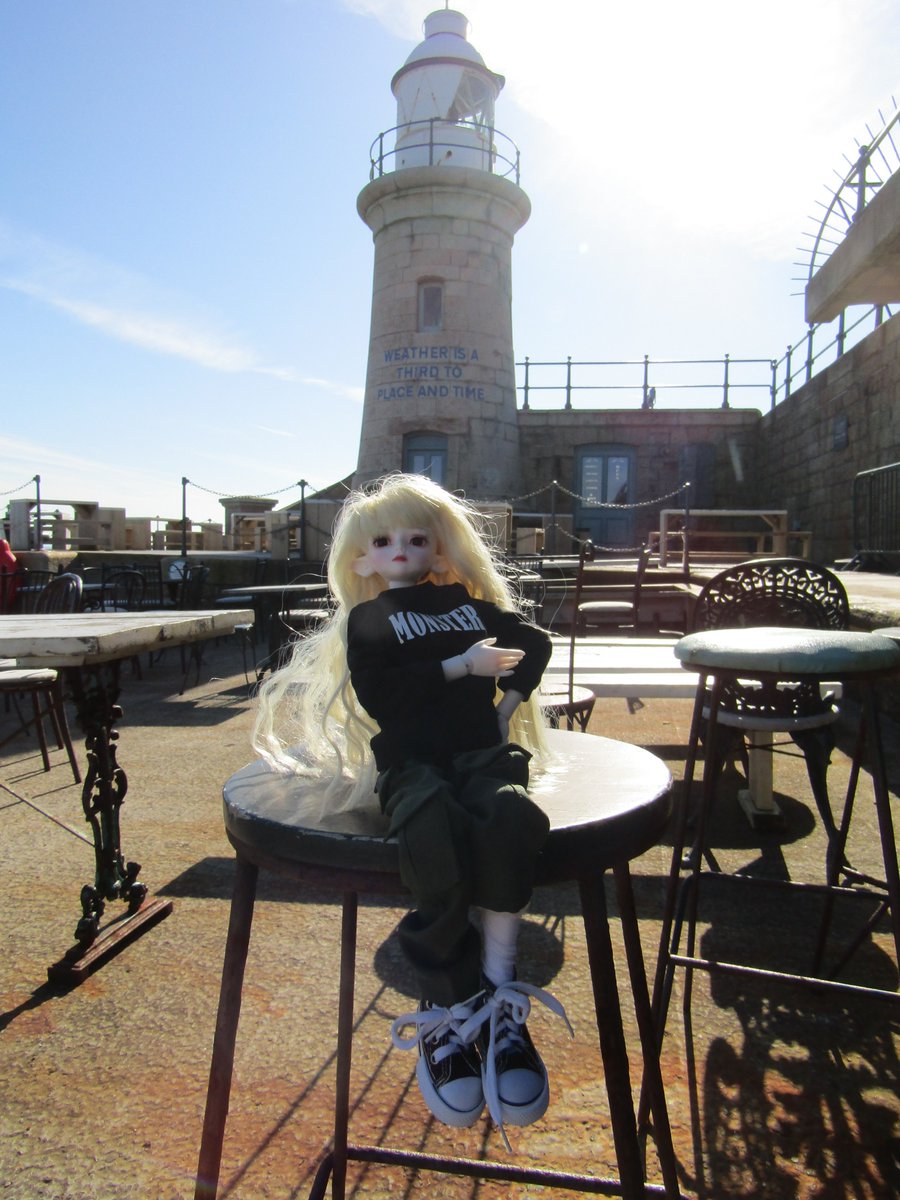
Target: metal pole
774,387
184,482
525,400
725,384
685,537
644,403
38,535
553,486
569,382
303,485
861,164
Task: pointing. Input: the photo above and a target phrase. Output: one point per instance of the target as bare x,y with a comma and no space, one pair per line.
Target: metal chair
31,587
123,591
42,684
599,602
153,583
595,601
785,592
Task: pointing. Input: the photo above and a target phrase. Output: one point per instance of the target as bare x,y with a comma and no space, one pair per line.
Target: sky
185,284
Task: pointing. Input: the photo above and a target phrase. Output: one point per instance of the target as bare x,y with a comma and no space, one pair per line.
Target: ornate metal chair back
773,591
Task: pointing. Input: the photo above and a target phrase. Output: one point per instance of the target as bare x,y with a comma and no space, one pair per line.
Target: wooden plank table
89,648
629,667
774,521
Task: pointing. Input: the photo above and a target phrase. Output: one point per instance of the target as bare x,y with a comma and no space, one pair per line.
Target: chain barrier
581,542
20,488
246,495
600,503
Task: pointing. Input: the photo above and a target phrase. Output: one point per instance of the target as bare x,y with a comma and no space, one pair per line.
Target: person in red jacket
414,687
9,579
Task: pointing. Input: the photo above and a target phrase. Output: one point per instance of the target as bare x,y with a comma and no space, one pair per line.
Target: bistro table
268,599
89,648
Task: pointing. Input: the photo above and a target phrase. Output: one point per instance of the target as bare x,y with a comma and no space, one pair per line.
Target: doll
410,692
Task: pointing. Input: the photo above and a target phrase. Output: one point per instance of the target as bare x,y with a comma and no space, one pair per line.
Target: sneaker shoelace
507,1009
432,1025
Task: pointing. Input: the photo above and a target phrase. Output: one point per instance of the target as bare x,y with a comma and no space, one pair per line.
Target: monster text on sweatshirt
395,646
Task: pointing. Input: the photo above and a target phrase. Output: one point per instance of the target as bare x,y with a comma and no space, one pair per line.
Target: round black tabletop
607,801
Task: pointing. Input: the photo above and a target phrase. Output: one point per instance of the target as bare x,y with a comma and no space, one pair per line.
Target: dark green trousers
468,835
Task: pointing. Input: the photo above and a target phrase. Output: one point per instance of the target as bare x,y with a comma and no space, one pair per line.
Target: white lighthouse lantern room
445,99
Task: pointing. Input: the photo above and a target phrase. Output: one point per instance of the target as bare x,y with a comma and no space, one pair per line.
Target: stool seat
789,653
14,679
890,631
591,826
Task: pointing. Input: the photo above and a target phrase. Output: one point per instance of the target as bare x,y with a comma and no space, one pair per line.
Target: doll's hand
484,658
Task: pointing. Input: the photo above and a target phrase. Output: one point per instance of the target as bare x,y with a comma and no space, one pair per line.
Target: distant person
9,577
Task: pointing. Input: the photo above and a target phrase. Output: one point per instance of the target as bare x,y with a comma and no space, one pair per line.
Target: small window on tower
431,307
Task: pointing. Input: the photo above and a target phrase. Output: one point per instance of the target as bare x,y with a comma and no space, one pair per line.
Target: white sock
500,931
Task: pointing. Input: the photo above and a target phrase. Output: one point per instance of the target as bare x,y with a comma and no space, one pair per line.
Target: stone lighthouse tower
444,205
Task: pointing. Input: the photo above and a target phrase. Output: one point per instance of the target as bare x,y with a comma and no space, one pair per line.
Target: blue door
604,477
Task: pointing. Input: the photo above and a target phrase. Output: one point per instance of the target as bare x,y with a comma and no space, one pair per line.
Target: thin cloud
345,390
69,474
120,305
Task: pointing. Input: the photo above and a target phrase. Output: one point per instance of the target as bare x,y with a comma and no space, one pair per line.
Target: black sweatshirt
395,646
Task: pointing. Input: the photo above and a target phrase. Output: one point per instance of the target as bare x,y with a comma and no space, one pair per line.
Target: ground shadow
806,1103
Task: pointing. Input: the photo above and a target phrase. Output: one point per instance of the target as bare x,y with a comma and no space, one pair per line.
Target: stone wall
665,443
803,456
845,420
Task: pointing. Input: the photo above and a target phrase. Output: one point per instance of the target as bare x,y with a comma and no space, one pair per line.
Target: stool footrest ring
813,981
477,1169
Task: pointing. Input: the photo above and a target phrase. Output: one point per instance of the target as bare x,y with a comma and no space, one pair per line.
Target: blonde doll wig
308,720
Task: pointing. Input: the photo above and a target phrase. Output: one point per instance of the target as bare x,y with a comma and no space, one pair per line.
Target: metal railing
629,381
799,361
497,153
875,162
876,510
644,381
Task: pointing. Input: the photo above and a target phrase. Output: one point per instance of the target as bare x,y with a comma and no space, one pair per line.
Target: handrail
500,154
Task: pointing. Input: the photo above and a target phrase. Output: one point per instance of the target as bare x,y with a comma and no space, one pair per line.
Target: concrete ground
775,1093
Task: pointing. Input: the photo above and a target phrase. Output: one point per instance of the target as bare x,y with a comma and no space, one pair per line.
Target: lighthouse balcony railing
434,142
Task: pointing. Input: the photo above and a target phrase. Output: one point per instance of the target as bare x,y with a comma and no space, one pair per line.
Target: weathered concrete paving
785,1093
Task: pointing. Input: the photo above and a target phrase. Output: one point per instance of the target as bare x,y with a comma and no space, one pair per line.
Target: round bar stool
575,704
607,801
771,655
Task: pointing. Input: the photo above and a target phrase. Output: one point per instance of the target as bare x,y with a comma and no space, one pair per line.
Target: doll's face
401,557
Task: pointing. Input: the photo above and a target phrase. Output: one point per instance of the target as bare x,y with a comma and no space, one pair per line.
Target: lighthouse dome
446,42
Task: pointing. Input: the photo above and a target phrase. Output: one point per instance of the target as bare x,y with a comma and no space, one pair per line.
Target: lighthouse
443,204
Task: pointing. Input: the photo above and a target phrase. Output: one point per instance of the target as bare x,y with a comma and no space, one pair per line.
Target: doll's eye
418,539
380,541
